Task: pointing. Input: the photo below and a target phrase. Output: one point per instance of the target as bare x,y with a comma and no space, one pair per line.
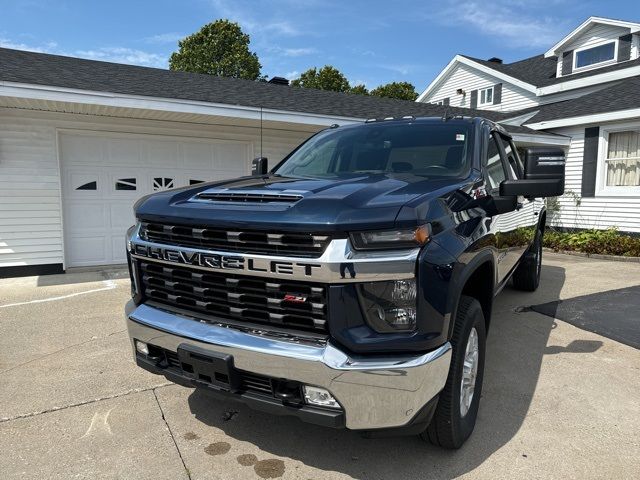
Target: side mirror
492,204
259,166
543,174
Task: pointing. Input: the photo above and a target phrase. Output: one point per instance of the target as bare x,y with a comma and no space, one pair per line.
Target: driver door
514,228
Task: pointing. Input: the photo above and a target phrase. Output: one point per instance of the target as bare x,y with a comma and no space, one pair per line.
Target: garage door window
88,186
162,183
126,184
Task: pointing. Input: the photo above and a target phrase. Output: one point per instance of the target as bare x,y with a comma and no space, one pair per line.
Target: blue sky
372,42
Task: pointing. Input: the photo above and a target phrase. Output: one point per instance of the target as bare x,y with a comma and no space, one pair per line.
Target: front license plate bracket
211,368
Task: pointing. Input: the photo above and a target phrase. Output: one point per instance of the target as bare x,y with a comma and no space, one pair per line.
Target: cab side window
513,159
494,168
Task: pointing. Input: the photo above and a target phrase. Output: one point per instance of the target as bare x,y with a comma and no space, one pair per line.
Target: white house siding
31,224
596,212
30,219
468,78
525,217
592,36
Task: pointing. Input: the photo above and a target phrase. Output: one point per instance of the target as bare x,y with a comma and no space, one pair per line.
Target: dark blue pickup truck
352,284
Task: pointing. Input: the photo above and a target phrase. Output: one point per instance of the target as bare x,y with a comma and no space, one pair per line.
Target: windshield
434,149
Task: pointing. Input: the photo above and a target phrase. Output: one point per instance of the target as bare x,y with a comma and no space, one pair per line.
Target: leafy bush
514,238
605,242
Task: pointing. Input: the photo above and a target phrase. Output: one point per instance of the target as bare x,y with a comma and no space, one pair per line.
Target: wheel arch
477,280
542,219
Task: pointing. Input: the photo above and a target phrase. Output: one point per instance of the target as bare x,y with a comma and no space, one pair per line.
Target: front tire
527,275
457,410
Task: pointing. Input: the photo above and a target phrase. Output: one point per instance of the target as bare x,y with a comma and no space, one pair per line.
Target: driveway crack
186,470
61,350
85,402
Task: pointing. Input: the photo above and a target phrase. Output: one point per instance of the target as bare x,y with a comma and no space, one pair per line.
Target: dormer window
590,57
485,96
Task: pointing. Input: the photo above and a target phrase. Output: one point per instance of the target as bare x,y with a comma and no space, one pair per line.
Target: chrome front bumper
375,392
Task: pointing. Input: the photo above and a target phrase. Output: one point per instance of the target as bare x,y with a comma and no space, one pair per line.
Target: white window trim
599,64
602,189
483,104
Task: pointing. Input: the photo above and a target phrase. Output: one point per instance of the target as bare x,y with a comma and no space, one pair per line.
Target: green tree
326,78
399,90
359,90
219,48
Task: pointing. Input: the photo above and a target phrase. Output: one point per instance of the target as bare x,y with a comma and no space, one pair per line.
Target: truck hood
340,203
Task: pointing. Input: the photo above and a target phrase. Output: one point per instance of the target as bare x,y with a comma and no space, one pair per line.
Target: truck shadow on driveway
516,345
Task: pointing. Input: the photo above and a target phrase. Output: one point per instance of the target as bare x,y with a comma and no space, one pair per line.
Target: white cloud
281,28
107,54
124,55
505,20
404,69
365,53
49,47
253,25
290,51
355,83
298,52
292,75
162,38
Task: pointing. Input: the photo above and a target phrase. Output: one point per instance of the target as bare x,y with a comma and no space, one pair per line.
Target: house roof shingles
624,95
541,72
535,70
69,72
91,75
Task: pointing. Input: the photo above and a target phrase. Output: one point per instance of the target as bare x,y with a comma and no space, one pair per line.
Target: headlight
130,262
396,238
389,306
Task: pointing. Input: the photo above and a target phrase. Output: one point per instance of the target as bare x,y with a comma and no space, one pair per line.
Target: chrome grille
244,299
294,244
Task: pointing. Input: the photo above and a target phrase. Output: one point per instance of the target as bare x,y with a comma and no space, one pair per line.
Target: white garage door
104,174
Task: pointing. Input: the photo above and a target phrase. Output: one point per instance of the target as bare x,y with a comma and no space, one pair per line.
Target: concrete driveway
558,401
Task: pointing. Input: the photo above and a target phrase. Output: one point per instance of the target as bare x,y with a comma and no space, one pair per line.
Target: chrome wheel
469,372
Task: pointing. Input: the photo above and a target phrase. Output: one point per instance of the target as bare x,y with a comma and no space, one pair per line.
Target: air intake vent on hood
248,197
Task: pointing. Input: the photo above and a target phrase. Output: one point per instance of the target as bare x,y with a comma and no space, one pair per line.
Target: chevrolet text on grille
224,262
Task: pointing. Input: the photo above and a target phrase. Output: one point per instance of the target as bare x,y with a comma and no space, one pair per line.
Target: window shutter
567,62
445,101
590,161
624,48
474,99
497,94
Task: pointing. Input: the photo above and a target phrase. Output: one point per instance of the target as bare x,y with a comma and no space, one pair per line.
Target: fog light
142,347
320,397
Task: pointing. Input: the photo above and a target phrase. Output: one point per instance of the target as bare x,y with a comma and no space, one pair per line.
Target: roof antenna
445,115
261,131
